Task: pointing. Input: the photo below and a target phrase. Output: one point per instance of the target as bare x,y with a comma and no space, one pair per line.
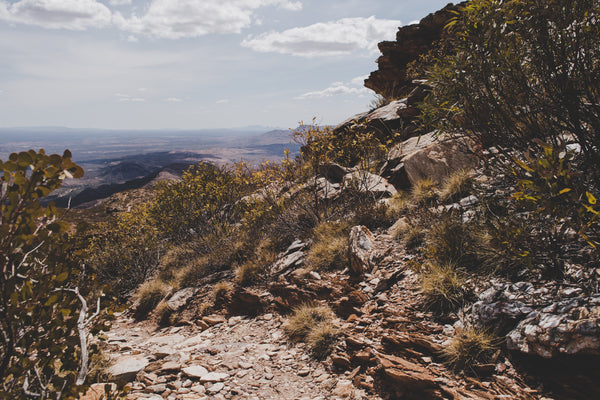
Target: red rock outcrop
391,80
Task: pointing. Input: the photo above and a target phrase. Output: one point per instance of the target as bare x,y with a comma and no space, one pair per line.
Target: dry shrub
192,272
449,240
322,338
250,271
163,314
457,185
148,295
330,247
423,192
221,290
469,347
305,318
443,287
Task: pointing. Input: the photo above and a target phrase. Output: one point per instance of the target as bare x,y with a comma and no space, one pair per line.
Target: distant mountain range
114,161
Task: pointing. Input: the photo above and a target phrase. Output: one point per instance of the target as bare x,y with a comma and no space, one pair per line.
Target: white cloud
332,38
173,100
354,87
175,19
57,14
132,39
222,101
119,2
127,98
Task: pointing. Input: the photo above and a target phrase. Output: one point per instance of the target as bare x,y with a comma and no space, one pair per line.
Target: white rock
214,377
216,388
195,371
126,368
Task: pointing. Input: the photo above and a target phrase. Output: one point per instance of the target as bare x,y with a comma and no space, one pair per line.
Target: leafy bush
125,252
521,70
40,352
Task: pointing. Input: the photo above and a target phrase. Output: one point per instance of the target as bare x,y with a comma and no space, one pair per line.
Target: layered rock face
412,41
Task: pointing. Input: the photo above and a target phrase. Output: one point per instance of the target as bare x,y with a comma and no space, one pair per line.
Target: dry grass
191,272
163,313
250,271
305,318
148,295
443,287
221,290
423,193
322,338
469,347
330,248
457,185
449,240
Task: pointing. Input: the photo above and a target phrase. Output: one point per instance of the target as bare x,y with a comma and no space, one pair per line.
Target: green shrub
521,70
40,353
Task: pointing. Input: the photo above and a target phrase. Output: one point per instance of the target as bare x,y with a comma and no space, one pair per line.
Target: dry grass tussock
457,185
251,270
221,290
313,323
424,192
470,346
305,318
330,248
449,240
443,287
148,295
322,338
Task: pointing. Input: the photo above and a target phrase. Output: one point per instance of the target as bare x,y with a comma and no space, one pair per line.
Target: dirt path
237,358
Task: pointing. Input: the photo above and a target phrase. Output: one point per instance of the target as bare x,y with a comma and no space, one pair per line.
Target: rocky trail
389,347
235,358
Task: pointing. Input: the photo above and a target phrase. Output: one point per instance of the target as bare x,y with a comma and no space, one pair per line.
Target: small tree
39,347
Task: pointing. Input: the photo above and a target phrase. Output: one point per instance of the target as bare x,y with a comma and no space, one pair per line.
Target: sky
192,64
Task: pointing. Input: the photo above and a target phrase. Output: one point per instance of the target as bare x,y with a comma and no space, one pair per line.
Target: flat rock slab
214,377
126,368
195,371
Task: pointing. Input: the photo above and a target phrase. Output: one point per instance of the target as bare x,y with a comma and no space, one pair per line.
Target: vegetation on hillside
518,83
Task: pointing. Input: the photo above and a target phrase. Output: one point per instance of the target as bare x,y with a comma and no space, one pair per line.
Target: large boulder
181,298
545,321
360,249
426,156
567,327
